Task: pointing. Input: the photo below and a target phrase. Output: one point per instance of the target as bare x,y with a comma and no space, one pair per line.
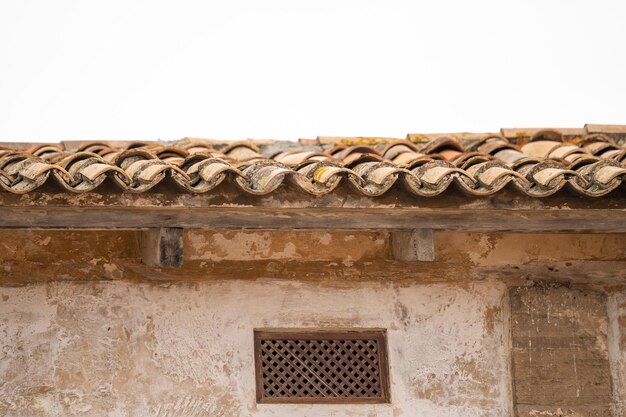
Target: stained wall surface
143,349
497,324
28,256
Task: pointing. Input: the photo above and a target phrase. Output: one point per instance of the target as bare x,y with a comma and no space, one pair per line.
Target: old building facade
484,273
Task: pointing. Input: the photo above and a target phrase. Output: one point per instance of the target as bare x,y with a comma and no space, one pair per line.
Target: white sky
150,69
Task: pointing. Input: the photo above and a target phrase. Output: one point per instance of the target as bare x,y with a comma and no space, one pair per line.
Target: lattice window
298,366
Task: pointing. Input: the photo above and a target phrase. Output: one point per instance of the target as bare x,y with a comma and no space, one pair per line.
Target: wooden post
413,245
162,247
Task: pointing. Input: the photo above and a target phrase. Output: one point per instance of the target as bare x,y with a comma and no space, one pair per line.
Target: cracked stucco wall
144,349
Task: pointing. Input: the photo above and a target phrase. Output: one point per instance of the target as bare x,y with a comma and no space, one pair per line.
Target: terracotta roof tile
535,162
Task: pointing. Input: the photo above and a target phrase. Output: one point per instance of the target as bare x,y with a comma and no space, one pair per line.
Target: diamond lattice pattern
321,368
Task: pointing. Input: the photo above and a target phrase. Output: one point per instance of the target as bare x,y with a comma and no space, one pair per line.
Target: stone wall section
560,353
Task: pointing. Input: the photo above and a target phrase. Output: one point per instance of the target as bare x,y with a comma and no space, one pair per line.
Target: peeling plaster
279,245
489,249
120,348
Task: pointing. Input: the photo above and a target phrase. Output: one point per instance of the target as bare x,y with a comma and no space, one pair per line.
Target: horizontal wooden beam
611,273
479,220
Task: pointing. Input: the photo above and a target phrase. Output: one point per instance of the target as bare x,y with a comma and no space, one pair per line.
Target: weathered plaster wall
493,249
616,307
234,245
125,348
28,256
119,346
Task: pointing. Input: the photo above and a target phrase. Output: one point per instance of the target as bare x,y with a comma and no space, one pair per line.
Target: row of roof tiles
590,164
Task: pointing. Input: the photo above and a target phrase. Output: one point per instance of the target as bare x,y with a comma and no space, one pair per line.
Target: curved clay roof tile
547,135
442,143
590,165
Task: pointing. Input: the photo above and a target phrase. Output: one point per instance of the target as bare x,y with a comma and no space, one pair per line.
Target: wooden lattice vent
299,366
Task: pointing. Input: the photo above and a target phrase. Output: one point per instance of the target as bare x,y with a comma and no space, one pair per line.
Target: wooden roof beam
473,220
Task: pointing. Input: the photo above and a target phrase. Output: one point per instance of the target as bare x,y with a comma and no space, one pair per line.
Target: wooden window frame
379,335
